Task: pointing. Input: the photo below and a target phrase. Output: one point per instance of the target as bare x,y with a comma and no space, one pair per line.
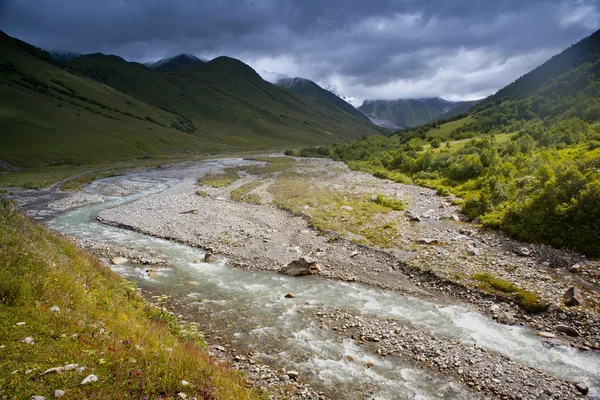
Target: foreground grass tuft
100,323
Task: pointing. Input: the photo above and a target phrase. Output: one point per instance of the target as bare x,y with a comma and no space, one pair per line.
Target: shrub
443,191
389,202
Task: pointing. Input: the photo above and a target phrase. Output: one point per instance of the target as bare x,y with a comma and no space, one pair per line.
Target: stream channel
284,333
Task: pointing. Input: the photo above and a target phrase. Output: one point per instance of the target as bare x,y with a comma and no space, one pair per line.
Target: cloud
384,49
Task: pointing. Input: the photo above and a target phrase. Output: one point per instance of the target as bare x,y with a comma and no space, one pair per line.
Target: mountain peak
175,63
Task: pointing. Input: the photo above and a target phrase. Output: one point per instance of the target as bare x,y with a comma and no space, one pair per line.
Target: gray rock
454,217
89,379
573,297
546,335
505,318
28,340
523,252
292,374
284,378
473,251
575,268
38,398
58,370
412,216
118,260
567,330
427,241
582,388
55,309
59,393
210,258
301,266
346,208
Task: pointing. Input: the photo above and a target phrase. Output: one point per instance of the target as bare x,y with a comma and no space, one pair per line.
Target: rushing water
283,332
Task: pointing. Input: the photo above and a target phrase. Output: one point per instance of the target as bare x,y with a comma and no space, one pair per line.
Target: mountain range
97,108
402,113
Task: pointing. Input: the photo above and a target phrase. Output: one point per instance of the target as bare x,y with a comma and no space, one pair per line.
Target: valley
387,283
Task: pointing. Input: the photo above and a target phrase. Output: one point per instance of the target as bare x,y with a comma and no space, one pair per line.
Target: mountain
176,63
324,97
402,113
567,85
460,108
98,108
64,55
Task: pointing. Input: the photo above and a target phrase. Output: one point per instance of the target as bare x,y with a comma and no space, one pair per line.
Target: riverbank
270,213
437,256
71,327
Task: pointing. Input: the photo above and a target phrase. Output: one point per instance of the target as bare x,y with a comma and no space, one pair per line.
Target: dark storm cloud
368,49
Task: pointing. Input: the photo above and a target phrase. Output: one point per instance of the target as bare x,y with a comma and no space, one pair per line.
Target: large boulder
573,297
301,266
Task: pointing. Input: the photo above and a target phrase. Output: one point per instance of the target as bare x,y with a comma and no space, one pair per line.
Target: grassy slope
50,114
39,124
135,350
409,112
324,97
229,96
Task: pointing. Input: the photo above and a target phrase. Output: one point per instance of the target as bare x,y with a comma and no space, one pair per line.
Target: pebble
89,379
59,393
28,340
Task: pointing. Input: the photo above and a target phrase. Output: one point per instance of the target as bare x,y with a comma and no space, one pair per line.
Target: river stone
288,296
573,297
505,318
473,251
210,258
118,260
576,268
567,330
412,216
546,335
523,252
292,374
427,241
301,266
582,388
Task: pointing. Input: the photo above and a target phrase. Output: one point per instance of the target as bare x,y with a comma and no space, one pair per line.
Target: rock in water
582,388
301,266
573,297
546,335
567,330
118,260
210,258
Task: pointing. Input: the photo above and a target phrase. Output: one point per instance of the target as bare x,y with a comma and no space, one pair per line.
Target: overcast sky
367,49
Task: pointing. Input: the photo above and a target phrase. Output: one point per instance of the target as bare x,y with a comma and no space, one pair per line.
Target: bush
389,202
443,191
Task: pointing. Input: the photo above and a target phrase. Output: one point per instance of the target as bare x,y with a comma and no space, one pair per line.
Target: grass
77,184
137,351
112,110
220,180
529,301
243,193
273,164
352,215
389,202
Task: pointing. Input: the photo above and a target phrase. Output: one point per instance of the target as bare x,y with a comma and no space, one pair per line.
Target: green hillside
52,113
324,97
228,93
526,160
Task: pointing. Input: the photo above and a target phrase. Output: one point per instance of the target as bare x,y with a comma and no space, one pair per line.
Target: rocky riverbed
432,254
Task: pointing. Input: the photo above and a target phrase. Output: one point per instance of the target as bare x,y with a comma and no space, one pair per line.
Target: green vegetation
525,160
394,204
243,193
229,176
136,350
352,215
527,300
98,109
